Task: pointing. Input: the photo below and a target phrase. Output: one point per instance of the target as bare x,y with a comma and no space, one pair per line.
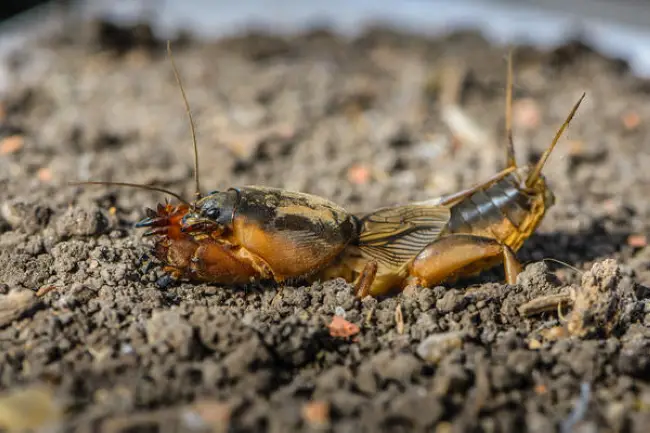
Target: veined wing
393,236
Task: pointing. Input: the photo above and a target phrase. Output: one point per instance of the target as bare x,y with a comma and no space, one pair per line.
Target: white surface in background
215,18
615,28
542,23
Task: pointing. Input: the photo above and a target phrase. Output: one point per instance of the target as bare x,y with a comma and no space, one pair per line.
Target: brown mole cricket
254,233
244,234
459,235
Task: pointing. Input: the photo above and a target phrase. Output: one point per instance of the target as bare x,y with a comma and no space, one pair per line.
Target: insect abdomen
502,211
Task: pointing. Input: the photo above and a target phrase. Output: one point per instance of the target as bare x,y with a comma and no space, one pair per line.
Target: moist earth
89,342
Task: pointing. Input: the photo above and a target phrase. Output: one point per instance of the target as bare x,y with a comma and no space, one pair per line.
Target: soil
89,342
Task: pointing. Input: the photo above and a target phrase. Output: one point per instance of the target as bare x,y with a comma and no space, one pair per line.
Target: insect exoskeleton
250,233
258,233
459,235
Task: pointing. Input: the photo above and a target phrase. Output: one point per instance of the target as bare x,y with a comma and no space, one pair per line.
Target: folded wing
393,236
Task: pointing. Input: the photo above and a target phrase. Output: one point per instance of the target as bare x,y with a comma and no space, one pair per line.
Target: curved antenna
197,191
134,185
564,264
534,175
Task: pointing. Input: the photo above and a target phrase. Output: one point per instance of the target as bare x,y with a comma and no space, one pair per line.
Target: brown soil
94,343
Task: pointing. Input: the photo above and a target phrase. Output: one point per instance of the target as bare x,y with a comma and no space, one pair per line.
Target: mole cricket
257,233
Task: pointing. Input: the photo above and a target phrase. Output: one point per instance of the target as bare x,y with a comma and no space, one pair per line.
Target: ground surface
92,341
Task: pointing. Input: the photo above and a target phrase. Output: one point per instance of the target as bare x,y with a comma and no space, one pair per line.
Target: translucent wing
393,236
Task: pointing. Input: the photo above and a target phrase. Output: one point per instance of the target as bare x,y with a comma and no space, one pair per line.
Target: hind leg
455,256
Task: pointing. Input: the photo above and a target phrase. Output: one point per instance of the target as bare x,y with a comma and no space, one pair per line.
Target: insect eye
212,213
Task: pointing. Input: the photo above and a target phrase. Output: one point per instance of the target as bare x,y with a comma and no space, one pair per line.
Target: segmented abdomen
501,211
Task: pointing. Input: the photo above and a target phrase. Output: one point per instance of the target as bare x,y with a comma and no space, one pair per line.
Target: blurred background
618,29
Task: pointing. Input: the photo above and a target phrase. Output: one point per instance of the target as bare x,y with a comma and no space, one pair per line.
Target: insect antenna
510,146
197,192
534,175
196,155
560,262
134,185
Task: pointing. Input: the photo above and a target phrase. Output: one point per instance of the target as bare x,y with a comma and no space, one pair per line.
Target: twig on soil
545,304
371,312
44,290
560,314
399,319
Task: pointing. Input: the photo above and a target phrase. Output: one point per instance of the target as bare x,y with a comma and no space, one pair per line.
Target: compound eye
212,213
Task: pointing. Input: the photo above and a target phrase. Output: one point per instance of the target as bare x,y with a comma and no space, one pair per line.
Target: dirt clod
596,304
17,304
436,346
82,222
167,328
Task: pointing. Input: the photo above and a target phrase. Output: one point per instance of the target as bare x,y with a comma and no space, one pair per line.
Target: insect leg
461,255
511,265
362,287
